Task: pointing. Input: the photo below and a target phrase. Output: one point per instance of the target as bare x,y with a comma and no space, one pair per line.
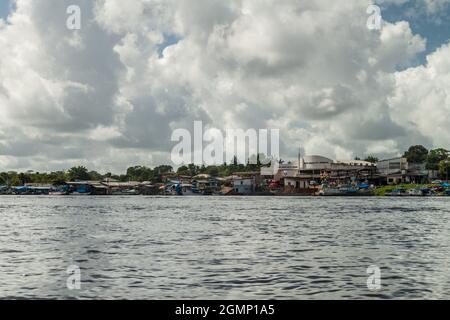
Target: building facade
307,173
399,170
244,186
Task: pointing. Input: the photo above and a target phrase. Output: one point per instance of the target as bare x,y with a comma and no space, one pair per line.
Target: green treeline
137,173
436,159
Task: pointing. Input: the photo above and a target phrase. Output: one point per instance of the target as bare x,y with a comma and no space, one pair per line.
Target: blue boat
29,190
426,192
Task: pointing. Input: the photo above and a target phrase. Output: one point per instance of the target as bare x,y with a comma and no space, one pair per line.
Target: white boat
398,193
415,193
57,193
79,194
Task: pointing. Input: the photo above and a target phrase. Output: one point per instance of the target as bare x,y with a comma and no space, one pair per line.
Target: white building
244,186
393,166
399,170
311,169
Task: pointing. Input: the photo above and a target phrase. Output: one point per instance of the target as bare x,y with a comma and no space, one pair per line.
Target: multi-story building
399,170
309,171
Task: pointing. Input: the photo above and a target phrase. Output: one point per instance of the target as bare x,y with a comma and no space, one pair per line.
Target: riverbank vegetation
137,173
436,159
384,190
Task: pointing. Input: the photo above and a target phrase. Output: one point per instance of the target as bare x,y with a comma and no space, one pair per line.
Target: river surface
224,247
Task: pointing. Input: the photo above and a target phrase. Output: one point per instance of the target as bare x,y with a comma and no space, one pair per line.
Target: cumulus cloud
110,94
422,97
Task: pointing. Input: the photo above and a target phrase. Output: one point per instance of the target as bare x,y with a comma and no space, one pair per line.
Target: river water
224,247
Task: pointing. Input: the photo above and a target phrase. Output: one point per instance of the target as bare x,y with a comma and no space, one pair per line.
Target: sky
4,8
110,95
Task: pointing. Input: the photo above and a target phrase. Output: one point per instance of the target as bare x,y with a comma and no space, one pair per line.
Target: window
395,165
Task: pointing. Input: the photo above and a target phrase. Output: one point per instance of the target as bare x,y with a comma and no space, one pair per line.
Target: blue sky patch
4,9
169,40
433,27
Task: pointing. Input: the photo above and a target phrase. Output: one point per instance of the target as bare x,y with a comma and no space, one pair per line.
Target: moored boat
346,191
57,193
415,193
80,193
427,192
4,190
400,192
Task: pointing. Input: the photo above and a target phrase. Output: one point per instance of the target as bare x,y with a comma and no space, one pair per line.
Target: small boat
4,190
125,192
415,193
189,190
57,193
447,192
329,192
80,193
401,192
427,192
173,190
346,191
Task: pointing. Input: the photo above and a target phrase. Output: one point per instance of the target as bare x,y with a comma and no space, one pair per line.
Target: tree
435,157
94,175
79,173
371,159
15,181
212,170
183,170
139,173
24,178
57,178
163,169
253,163
416,154
193,170
444,168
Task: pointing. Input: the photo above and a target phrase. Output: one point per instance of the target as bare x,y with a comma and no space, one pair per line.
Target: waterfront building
118,188
110,187
246,182
310,171
244,185
32,189
86,188
399,170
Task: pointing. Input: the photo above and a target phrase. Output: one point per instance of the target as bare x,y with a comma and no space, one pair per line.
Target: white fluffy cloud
422,97
110,94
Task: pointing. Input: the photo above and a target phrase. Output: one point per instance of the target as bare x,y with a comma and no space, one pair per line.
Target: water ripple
224,247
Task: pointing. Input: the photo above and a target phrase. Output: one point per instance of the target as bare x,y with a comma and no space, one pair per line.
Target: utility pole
446,168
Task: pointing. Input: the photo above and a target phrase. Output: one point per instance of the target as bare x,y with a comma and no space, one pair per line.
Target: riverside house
110,187
304,176
399,170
